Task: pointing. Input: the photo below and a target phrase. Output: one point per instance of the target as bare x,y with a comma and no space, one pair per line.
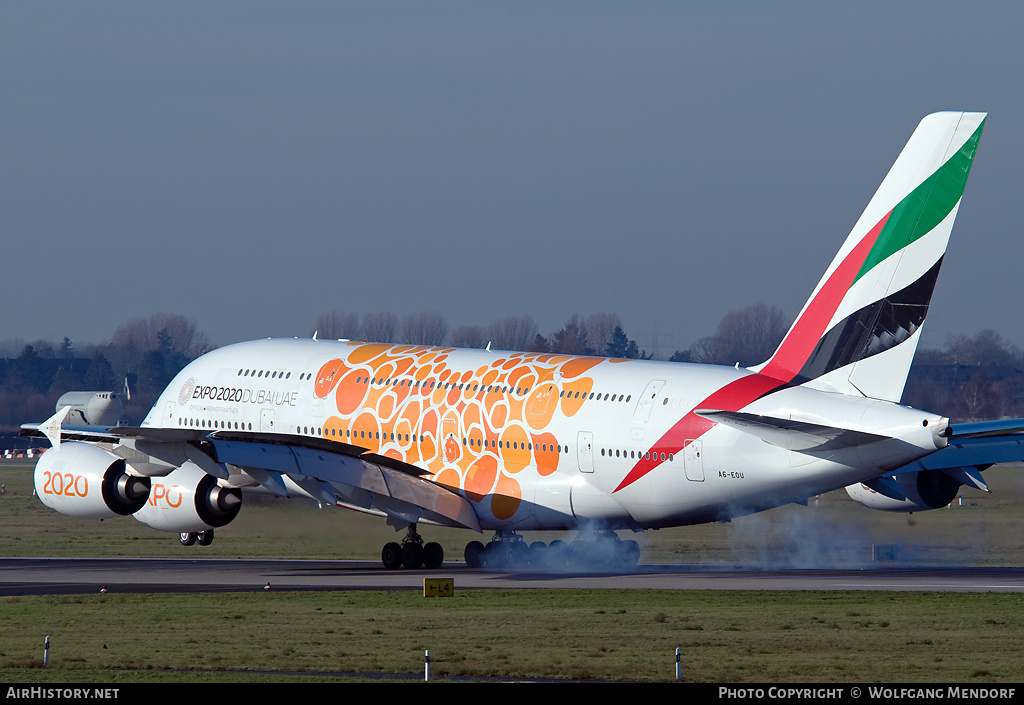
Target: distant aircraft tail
858,332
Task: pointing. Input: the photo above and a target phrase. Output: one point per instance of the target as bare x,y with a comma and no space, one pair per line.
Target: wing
347,480
333,473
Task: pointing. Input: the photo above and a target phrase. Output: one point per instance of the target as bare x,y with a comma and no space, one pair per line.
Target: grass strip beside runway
561,634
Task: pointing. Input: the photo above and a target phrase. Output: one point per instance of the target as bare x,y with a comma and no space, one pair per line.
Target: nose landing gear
203,538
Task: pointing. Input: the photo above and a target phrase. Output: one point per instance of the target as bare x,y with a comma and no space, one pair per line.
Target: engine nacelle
189,499
84,481
923,490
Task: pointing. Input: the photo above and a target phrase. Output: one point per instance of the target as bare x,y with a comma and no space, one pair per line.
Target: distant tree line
143,355
972,377
597,334
747,337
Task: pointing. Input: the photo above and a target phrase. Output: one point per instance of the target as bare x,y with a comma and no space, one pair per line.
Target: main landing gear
595,550
203,538
412,553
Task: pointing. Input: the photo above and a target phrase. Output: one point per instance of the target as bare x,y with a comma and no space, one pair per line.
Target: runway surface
40,576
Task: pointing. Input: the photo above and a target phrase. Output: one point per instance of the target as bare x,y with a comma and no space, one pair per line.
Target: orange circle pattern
475,431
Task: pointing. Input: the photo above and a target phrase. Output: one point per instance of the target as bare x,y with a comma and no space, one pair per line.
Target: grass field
559,634
579,635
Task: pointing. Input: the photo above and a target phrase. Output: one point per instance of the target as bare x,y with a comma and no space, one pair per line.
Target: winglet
51,427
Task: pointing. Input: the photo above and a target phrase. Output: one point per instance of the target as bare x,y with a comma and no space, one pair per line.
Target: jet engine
84,481
188,499
921,490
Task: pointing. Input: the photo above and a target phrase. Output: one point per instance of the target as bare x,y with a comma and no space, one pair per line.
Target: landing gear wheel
391,555
475,554
205,538
433,555
505,551
412,555
630,554
187,538
535,554
499,555
558,554
520,555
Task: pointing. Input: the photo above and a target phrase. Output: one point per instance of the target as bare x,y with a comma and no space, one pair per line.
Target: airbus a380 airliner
503,442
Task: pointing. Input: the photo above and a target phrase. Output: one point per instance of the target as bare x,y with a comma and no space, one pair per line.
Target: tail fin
858,332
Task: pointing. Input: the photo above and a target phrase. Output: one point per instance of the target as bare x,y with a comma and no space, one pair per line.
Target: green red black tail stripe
877,327
813,347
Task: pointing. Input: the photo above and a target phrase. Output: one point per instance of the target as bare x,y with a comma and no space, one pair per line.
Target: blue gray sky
253,165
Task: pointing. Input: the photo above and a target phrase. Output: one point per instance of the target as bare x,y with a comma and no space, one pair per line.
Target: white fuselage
544,441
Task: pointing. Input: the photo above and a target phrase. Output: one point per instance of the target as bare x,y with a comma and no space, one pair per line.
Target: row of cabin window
272,375
503,390
622,397
203,423
514,445
475,442
448,385
636,454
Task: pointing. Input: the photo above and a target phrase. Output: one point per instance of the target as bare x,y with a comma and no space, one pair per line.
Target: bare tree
972,377
985,348
748,336
512,333
600,329
177,337
380,327
979,398
337,325
469,337
425,328
145,334
572,338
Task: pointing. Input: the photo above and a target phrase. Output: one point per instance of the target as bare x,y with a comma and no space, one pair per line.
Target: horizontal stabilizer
972,448
789,433
55,431
976,452
889,485
968,476
984,428
886,485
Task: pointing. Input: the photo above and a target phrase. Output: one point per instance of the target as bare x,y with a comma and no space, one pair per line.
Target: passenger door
585,451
